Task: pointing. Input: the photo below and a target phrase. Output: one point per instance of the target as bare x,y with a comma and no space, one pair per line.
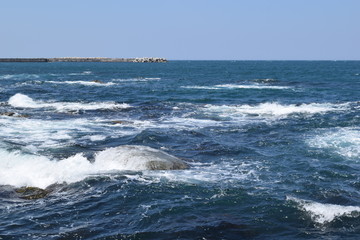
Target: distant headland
85,59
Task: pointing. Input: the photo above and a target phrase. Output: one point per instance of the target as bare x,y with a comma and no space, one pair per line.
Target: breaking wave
23,101
19,76
271,110
85,83
343,141
140,79
21,169
80,73
324,213
236,86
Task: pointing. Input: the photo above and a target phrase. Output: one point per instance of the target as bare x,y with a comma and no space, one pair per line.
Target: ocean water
273,149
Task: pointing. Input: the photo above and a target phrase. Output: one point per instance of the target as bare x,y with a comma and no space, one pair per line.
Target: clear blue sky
182,29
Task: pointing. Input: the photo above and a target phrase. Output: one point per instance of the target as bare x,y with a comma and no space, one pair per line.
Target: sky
182,29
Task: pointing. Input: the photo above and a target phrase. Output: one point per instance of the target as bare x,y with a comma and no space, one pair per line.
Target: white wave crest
343,141
22,101
237,86
85,83
140,79
324,213
267,110
20,169
80,73
19,76
232,86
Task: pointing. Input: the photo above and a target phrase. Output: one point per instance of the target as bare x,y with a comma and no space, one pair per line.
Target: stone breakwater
81,59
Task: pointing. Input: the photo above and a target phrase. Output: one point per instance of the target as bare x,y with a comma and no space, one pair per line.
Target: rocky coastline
86,59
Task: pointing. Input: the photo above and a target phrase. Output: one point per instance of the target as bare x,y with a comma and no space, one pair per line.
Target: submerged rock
13,114
120,122
97,81
138,158
31,193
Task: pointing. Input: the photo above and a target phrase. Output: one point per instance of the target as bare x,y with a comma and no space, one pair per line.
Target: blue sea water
273,149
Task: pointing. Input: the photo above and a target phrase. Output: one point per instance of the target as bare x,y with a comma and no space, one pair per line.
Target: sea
273,149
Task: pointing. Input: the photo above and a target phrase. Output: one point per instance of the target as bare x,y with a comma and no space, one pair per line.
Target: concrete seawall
81,59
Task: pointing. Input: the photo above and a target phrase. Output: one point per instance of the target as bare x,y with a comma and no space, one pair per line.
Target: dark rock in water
98,81
13,114
120,122
139,158
9,114
31,193
265,80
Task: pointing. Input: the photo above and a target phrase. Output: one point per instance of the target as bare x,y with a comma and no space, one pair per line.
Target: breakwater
82,59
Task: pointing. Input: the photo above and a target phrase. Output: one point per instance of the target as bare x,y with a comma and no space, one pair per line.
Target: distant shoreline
84,59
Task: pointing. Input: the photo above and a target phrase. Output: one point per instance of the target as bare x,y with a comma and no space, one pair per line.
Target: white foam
237,86
85,83
22,101
44,134
140,79
201,87
271,110
81,73
343,141
133,158
95,138
324,213
232,86
19,76
188,123
20,169
198,173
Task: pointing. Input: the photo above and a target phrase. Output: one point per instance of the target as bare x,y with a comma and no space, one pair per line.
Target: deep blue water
273,149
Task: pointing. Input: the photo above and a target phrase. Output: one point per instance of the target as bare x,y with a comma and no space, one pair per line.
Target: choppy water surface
273,149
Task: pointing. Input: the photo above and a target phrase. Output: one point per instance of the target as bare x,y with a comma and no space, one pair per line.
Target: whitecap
343,141
271,109
81,73
140,79
95,138
188,123
324,213
23,101
19,76
21,169
236,86
201,87
85,83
